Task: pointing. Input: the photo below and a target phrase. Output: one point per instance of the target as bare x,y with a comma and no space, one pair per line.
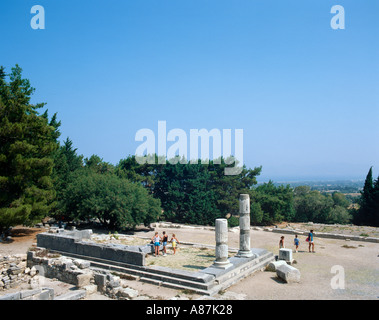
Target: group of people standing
157,239
296,242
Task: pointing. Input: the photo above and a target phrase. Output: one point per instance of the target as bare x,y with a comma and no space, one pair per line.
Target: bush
116,202
233,221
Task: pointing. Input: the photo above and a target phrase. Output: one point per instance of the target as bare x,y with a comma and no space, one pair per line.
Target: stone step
207,281
161,277
242,269
137,270
182,282
182,274
178,286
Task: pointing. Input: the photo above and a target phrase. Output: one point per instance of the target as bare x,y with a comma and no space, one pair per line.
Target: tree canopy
27,144
116,202
192,192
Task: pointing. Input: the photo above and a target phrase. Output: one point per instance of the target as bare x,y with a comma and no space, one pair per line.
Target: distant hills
343,186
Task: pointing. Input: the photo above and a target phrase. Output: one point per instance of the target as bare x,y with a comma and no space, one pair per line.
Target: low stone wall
324,235
33,294
79,273
277,230
67,270
74,242
12,271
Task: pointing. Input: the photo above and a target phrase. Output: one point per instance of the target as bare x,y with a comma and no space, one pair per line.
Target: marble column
244,251
222,260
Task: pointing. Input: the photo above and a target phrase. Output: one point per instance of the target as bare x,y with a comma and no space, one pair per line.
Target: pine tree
27,142
366,214
66,162
375,202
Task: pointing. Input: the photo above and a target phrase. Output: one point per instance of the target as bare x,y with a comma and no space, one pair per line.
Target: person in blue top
311,243
296,242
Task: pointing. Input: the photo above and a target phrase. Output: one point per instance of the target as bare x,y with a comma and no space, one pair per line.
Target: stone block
100,279
82,264
25,294
46,294
66,264
272,266
127,293
90,289
11,296
33,271
288,273
49,292
114,282
286,255
15,270
83,279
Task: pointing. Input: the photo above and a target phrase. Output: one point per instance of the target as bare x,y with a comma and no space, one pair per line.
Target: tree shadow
15,234
21,232
6,241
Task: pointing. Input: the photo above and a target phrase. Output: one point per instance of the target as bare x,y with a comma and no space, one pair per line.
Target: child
164,242
174,241
281,242
156,240
296,242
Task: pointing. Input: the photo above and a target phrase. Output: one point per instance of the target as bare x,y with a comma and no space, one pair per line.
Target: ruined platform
130,260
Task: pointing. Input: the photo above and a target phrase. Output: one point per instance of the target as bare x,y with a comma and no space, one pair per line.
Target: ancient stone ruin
72,258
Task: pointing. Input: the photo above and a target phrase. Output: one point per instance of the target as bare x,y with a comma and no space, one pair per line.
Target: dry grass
186,258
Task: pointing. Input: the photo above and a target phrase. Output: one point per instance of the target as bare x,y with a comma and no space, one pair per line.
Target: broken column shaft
244,250
222,260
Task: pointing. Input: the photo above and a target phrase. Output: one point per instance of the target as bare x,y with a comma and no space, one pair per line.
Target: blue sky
305,95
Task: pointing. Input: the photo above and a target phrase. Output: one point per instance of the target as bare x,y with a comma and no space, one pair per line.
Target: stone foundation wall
74,242
73,271
12,271
79,273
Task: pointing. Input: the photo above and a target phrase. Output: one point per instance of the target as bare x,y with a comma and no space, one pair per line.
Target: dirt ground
356,262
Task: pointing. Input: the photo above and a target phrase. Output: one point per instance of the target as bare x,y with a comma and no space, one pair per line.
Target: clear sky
306,95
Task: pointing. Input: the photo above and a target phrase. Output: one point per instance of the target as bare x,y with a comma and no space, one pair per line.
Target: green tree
339,214
375,206
276,203
256,214
66,162
116,202
200,193
227,188
186,194
368,214
96,164
339,199
191,192
27,143
312,206
145,173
